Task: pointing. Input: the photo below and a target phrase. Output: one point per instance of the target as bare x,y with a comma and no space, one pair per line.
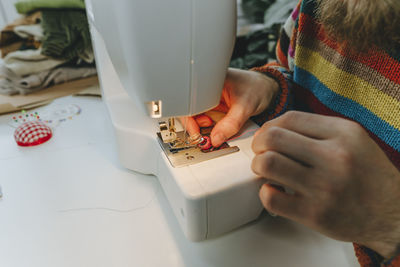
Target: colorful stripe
349,86
333,79
282,100
395,262
307,101
376,59
353,67
367,257
295,13
348,108
280,54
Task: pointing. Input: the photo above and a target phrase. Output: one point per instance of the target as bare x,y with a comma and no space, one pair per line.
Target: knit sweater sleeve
282,70
369,258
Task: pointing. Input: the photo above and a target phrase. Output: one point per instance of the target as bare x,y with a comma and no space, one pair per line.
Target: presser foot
180,155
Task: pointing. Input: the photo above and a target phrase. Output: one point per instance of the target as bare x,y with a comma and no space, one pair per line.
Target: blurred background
8,13
45,43
259,24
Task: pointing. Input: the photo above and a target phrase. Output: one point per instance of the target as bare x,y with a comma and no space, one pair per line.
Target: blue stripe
348,108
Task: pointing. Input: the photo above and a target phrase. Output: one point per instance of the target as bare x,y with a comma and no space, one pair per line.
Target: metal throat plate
192,155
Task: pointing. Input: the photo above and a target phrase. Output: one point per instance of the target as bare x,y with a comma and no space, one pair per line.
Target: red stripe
280,78
306,98
281,55
377,60
395,262
293,39
363,258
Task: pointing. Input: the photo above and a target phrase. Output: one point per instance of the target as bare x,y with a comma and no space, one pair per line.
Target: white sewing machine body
175,53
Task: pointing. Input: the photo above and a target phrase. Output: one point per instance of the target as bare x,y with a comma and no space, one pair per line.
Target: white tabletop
68,202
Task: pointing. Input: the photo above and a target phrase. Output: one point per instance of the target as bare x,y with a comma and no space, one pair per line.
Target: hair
362,23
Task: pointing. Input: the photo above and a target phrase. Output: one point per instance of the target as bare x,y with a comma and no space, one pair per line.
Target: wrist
273,86
279,102
270,88
269,81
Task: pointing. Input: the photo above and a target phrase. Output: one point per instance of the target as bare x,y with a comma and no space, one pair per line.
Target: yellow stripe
350,86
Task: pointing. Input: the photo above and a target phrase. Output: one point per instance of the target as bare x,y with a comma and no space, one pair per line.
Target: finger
216,116
311,125
229,125
222,108
203,120
190,125
280,203
293,145
283,170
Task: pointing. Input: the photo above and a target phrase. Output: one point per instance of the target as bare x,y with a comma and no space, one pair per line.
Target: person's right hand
245,94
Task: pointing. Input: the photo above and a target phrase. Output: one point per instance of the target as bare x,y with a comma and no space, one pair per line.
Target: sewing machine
159,60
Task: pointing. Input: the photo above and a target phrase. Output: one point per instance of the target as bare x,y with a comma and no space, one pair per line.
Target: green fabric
27,6
66,33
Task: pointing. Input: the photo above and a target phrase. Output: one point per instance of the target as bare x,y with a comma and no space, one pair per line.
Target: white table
68,202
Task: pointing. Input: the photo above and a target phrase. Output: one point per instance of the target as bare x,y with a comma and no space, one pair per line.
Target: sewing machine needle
184,130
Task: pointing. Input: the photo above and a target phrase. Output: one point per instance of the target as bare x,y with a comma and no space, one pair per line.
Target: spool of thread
205,144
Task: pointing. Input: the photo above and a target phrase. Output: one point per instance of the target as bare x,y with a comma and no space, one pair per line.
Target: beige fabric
20,102
28,62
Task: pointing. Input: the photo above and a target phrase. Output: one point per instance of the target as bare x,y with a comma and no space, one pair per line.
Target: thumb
229,125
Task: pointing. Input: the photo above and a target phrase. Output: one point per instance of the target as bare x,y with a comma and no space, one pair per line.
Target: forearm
369,258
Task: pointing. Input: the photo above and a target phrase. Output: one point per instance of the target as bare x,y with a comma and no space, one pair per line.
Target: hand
345,186
245,94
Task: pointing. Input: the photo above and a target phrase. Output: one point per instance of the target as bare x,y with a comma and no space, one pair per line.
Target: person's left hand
345,186
245,94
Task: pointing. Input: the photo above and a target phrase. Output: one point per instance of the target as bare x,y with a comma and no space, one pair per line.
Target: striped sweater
318,75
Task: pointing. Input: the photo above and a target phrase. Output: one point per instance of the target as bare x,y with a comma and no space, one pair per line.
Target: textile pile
49,45
265,19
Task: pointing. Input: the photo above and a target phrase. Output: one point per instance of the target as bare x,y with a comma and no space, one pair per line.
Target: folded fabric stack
49,45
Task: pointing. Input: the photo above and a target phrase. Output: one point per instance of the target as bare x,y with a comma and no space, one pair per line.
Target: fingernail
261,192
218,139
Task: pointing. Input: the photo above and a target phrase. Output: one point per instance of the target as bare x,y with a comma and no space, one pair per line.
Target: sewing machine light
154,108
